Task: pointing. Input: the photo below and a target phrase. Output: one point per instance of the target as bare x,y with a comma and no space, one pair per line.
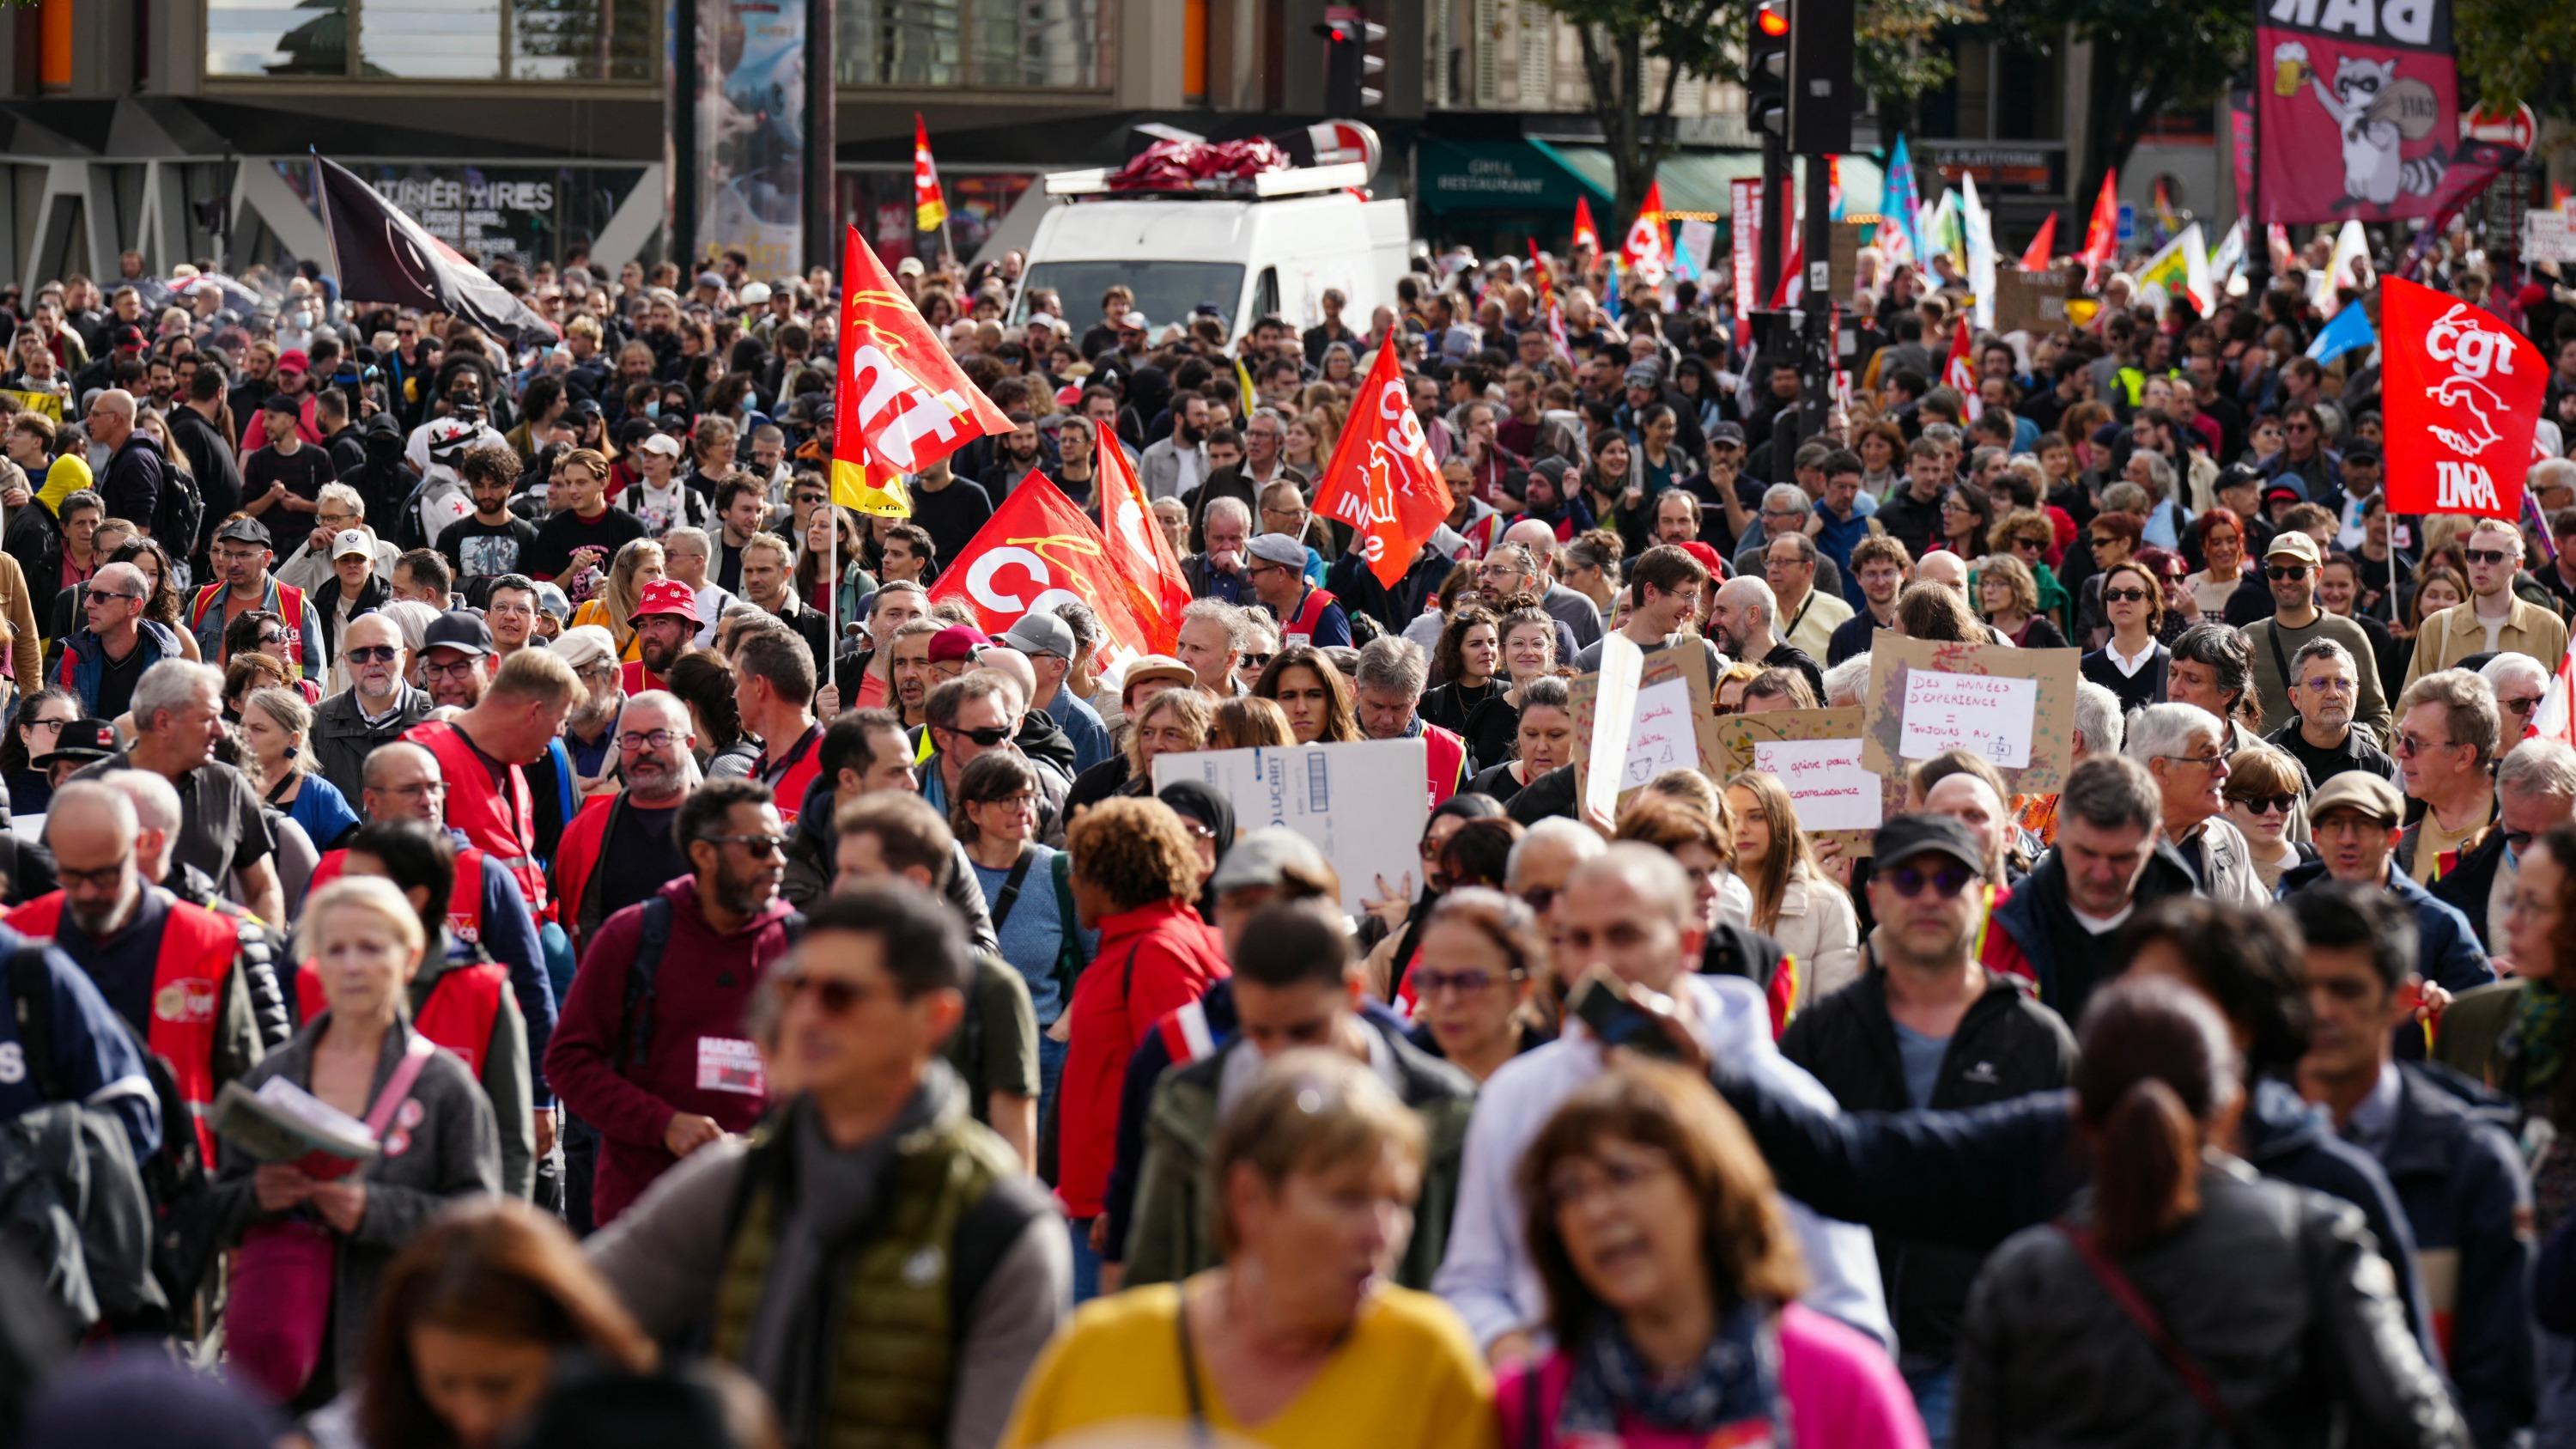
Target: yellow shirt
595,611
1407,1377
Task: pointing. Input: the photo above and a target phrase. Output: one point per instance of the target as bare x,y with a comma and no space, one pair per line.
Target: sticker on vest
725,1065
922,1268
467,929
397,1142
409,1114
189,999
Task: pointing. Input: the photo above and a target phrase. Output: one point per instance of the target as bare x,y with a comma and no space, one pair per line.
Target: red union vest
464,901
1448,756
1300,628
189,976
503,829
290,608
461,1009
794,775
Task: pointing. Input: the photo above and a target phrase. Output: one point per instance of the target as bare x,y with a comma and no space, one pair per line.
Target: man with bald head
136,468
1744,621
1628,919
162,964
1964,796
104,658
1577,613
374,710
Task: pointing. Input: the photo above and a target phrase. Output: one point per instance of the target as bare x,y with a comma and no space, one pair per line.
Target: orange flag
900,404
1039,549
2043,247
1382,480
1585,233
1142,556
929,207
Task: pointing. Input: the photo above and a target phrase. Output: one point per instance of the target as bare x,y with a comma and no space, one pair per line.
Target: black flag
383,255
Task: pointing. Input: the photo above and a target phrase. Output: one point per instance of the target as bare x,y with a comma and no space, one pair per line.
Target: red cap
667,596
294,360
957,641
1706,555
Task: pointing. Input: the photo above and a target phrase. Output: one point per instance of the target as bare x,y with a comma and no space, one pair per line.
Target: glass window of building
1014,44
456,40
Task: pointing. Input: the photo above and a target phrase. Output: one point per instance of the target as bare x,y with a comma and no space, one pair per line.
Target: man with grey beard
633,827
376,707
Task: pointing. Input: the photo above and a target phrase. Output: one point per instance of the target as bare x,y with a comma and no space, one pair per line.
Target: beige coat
1818,926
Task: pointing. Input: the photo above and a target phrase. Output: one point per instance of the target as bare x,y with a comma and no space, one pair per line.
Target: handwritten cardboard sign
1819,757
1669,725
2013,707
2031,301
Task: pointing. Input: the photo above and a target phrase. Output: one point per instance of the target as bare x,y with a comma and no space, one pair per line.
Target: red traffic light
1772,19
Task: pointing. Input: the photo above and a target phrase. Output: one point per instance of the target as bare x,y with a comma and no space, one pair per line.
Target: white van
1249,252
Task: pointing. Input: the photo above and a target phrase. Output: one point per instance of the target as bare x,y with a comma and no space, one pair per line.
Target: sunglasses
2124,596
2292,572
2284,802
1948,878
835,996
371,654
985,738
2524,705
1256,661
2487,555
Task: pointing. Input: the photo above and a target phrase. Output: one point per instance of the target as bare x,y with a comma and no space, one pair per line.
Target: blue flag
2349,331
1899,204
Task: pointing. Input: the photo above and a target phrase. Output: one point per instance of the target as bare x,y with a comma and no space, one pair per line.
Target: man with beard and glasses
665,622
654,741
376,708
163,965
2319,734
647,1051
452,654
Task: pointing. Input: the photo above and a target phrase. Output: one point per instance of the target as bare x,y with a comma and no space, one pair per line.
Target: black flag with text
382,255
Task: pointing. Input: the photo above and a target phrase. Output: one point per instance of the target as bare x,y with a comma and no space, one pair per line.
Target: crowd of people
529,923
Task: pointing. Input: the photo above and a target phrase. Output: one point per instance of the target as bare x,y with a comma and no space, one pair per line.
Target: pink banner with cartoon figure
2369,83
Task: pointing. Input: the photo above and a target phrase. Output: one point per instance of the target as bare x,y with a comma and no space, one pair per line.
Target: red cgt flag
1382,480
2043,247
2461,394
1959,370
1147,568
1038,550
1585,233
929,206
2102,233
900,404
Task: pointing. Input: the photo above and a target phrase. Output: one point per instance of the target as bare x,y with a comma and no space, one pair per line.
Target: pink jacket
1843,1394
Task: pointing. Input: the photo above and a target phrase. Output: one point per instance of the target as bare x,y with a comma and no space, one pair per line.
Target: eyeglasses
2214,760
422,790
2410,745
103,878
100,596
1256,661
2487,555
757,845
1429,983
56,725
2292,572
1948,878
658,739
460,669
272,637
835,996
370,653
985,738
2284,802
2124,596
2326,684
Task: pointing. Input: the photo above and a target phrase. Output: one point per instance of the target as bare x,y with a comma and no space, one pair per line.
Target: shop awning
1512,175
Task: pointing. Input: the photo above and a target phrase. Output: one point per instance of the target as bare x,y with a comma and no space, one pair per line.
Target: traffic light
1766,71
1354,60
1820,91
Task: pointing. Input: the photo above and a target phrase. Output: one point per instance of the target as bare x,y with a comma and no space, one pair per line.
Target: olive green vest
894,1333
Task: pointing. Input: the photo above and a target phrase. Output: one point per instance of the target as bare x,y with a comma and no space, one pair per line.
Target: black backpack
635,1023
179,518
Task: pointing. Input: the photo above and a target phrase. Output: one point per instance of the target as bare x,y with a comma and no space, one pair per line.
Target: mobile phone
1603,1005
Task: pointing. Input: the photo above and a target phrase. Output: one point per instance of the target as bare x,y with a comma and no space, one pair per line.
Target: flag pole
831,588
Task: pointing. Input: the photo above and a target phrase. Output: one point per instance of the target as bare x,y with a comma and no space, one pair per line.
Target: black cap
82,740
1912,835
457,629
244,529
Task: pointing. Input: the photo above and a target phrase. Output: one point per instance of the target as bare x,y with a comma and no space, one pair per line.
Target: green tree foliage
2145,59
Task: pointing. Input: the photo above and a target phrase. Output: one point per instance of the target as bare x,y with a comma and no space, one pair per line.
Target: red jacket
1152,960
704,983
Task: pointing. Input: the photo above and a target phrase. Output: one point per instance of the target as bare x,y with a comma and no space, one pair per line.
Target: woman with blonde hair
639,562
2008,596
277,725
1299,1339
1794,902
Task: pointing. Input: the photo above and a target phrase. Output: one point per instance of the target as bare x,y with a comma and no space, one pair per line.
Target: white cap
661,443
352,541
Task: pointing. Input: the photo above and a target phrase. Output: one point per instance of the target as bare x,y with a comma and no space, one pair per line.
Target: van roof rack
1290,181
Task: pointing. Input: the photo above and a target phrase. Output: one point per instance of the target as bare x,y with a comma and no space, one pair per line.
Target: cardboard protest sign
1817,756
49,405
2031,301
2014,708
1670,725
1362,804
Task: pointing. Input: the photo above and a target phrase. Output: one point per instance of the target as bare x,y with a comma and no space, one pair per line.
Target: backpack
635,1022
179,518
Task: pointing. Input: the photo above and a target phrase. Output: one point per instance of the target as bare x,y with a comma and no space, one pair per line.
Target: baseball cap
294,360
909,267
352,541
244,529
1135,321
2358,790
1153,667
2238,475
710,279
1039,632
1279,548
957,641
1644,374
1911,835
2293,544
126,334
82,739
2291,491
457,629
666,596
585,647
552,601
1726,433
661,443
1264,857
1707,556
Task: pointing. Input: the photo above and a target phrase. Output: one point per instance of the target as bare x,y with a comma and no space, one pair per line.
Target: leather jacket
2277,1294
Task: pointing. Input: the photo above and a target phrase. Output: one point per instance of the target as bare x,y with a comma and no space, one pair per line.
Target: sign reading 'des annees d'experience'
1981,714
2013,708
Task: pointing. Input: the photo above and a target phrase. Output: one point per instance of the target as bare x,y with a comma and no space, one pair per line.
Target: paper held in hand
1363,804
1816,756
1641,715
282,1122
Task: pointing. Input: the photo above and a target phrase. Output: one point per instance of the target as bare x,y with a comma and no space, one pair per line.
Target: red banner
1038,550
900,403
2461,392
929,206
1585,234
1382,480
2043,247
1647,251
2357,109
1140,553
